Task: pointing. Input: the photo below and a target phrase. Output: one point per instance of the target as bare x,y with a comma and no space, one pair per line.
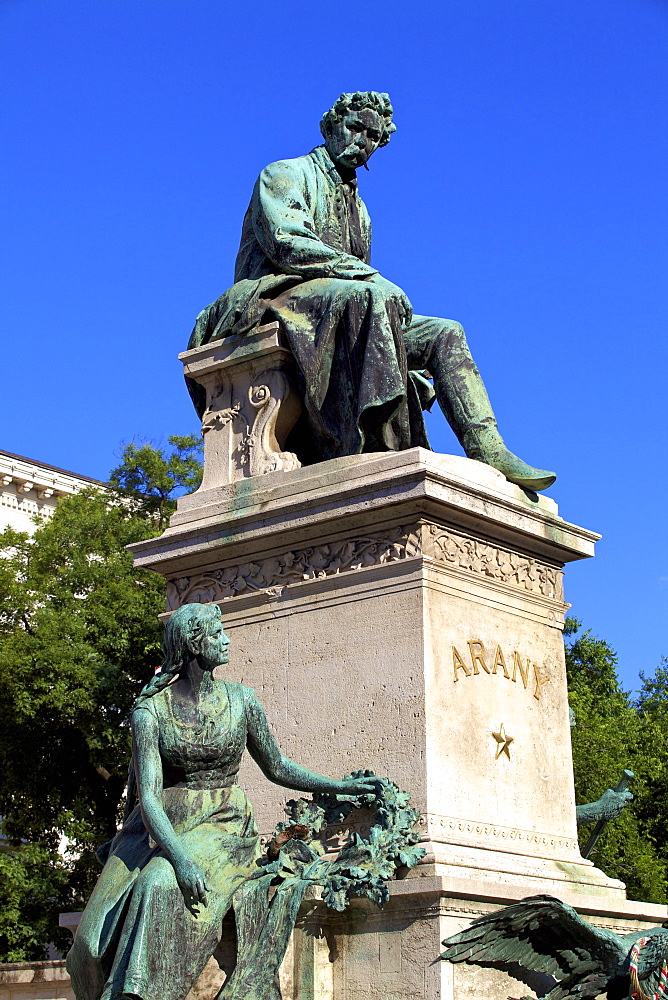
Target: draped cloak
304,259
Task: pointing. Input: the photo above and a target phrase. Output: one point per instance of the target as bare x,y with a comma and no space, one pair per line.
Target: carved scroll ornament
263,412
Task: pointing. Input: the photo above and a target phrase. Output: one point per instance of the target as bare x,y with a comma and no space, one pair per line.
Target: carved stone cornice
492,561
45,481
28,488
442,545
470,833
314,562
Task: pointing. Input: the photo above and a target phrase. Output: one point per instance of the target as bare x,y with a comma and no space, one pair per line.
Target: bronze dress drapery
137,935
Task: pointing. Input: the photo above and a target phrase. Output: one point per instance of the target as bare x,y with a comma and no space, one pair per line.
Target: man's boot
463,398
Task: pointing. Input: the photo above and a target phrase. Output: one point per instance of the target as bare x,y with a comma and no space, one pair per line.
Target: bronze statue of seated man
361,355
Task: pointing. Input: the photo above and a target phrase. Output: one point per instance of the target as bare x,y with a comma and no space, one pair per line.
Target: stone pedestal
403,611
251,404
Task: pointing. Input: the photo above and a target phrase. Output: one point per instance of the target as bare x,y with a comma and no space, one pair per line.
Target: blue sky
523,194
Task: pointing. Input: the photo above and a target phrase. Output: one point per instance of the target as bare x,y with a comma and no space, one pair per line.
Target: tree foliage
151,477
79,635
34,886
615,731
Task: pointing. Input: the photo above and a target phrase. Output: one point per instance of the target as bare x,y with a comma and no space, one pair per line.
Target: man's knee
450,346
342,290
367,291
430,340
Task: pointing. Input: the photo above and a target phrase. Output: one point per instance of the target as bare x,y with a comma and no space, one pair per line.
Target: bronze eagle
543,935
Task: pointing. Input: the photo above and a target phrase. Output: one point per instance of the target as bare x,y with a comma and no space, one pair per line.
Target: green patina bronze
541,937
361,868
189,848
609,806
363,358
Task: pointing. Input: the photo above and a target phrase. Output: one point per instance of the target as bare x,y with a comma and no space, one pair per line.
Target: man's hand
612,802
396,295
191,880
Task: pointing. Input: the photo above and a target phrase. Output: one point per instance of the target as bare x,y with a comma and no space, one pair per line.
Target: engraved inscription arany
478,661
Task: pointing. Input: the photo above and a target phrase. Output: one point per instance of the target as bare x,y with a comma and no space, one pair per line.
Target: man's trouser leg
440,347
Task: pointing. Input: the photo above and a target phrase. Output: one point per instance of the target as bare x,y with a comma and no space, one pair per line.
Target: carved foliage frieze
296,566
489,560
348,555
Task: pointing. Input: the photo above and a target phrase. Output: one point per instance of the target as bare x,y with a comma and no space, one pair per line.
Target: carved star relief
503,742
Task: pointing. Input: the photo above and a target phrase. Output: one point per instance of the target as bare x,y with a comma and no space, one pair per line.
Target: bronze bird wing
539,933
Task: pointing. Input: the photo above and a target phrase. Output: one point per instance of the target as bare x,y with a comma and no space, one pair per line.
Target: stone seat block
251,404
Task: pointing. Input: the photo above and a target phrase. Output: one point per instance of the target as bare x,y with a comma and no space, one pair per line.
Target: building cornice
28,487
28,470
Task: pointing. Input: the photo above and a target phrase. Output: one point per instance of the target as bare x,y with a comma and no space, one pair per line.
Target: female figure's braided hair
189,622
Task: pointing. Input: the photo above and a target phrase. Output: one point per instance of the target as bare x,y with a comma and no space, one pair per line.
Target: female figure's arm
148,774
266,753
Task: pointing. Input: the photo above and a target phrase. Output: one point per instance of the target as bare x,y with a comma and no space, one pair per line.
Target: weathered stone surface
406,609
35,981
371,954
251,405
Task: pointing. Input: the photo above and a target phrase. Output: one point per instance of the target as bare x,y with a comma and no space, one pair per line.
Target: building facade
29,488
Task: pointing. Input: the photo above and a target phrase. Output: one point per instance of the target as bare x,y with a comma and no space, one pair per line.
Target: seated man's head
356,126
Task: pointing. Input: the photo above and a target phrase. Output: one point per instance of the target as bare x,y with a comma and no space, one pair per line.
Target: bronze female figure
190,840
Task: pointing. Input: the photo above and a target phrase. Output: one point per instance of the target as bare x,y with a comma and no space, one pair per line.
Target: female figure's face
213,647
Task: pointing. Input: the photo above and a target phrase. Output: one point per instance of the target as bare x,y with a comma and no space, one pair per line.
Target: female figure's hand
361,786
191,880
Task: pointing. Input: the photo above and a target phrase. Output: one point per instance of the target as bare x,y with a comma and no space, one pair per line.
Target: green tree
652,708
151,477
34,885
79,634
611,733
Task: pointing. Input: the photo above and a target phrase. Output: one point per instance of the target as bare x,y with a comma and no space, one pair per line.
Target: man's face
351,141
